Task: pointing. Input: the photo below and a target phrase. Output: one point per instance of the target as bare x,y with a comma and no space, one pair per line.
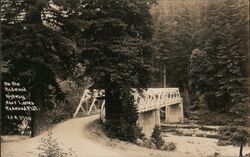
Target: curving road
86,142
70,134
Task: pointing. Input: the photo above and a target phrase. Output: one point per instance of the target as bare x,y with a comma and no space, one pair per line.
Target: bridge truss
147,100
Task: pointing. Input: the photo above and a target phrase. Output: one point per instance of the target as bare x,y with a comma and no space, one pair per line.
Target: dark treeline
204,48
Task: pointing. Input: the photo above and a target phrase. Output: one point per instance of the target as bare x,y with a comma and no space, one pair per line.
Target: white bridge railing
147,100
156,98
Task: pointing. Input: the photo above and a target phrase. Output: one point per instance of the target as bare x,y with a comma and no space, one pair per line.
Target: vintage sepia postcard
125,78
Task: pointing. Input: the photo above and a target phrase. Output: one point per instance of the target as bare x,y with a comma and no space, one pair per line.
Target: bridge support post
148,120
174,113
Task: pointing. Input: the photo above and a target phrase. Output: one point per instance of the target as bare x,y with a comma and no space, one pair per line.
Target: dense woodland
204,47
119,44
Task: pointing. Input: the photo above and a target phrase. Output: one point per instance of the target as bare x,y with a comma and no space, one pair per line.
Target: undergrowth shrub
57,111
231,135
225,135
234,135
62,111
50,148
159,142
157,137
169,146
125,127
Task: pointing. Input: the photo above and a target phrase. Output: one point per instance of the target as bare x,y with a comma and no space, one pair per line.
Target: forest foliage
120,44
46,41
204,48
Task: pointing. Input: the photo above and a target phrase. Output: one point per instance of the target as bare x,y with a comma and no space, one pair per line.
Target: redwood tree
36,55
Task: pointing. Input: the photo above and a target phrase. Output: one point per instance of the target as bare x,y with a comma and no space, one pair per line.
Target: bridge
151,103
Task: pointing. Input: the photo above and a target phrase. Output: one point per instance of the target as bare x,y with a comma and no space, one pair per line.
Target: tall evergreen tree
114,37
172,40
119,52
36,54
175,26
200,69
223,35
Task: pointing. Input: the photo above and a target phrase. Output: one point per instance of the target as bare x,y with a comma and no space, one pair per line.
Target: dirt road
87,141
70,134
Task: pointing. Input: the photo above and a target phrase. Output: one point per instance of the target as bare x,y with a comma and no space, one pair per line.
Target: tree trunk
33,14
186,94
241,150
38,98
113,104
34,124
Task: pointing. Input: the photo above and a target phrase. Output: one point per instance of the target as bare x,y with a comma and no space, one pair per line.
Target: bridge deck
147,100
